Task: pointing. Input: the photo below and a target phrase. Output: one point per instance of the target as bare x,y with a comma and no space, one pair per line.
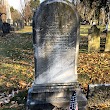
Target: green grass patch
16,60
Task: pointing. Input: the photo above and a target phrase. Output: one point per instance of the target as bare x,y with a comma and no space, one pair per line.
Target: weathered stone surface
57,95
109,25
107,44
56,42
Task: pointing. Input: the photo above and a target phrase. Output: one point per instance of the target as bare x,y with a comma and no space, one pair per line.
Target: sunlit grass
25,30
84,29
17,62
16,54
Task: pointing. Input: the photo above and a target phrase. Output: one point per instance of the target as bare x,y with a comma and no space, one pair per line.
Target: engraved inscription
56,38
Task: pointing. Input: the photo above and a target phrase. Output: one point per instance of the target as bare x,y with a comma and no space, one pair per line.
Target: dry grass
27,29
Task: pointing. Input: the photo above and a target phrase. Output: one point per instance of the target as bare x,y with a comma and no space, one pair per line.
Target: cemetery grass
17,67
26,29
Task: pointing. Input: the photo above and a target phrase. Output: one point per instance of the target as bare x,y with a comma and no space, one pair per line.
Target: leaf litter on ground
17,67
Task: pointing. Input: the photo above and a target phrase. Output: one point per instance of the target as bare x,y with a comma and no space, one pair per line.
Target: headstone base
10,21
54,96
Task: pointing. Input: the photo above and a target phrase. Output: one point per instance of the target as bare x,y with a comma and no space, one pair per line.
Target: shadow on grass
16,64
16,45
20,102
16,59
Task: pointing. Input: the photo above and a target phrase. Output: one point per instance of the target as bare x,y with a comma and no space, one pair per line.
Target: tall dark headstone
1,24
1,21
56,44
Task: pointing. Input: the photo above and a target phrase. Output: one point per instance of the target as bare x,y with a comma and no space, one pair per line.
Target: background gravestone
1,21
56,44
1,24
94,39
109,26
6,28
107,44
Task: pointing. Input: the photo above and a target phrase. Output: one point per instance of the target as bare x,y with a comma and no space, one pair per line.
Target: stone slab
56,42
59,97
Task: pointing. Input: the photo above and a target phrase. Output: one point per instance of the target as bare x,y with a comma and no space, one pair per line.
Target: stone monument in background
1,22
107,44
8,13
94,39
56,46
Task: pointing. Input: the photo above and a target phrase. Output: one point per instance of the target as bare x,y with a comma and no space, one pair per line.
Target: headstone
107,44
6,28
56,44
94,39
8,12
1,21
109,26
1,24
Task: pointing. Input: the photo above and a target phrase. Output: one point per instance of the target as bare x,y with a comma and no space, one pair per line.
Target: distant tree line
3,10
94,10
89,11
29,9
25,14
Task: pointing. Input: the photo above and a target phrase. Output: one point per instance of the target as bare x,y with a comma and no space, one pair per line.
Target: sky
16,4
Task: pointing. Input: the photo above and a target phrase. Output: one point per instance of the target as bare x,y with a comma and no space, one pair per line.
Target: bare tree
27,13
3,10
15,14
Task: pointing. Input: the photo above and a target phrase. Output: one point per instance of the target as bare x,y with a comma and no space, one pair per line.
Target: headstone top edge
49,1
59,84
